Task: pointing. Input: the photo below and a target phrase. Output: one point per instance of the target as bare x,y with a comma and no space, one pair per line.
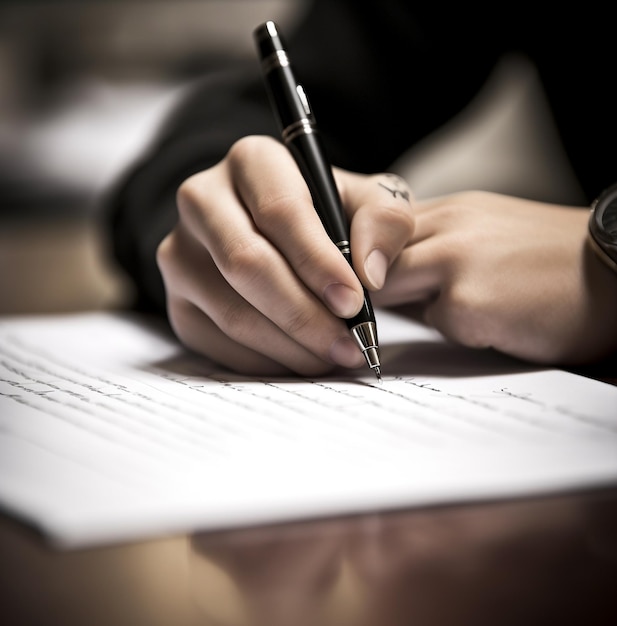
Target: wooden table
530,562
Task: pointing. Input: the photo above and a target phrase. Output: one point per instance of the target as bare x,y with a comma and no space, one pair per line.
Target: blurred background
83,83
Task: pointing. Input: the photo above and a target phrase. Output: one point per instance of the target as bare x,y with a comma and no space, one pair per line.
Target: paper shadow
430,358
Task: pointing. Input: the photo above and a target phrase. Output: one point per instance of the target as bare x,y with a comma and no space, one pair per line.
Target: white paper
110,431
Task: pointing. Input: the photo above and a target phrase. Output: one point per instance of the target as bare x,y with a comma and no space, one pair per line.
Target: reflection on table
537,561
551,561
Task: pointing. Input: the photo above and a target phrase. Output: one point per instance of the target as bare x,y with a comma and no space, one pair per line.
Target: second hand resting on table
254,282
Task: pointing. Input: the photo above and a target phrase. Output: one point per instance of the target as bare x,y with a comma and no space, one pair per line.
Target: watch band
603,226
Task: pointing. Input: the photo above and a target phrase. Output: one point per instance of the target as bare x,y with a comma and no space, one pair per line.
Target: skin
254,283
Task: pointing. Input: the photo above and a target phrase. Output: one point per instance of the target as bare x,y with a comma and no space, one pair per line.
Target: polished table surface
544,561
549,560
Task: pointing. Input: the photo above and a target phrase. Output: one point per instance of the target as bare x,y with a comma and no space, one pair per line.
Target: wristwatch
603,226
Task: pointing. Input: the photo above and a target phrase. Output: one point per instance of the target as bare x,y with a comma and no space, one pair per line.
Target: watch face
606,213
603,226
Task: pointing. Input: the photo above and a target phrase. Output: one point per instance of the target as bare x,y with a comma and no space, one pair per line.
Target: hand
508,273
252,279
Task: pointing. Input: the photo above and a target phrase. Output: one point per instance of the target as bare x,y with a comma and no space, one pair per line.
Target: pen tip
377,371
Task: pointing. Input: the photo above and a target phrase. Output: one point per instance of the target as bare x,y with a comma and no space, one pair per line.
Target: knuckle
192,200
242,256
275,206
397,216
307,260
297,320
232,321
242,149
168,260
247,149
273,202
448,213
164,251
467,320
188,195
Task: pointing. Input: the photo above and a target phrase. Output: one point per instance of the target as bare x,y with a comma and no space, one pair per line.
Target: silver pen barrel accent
365,335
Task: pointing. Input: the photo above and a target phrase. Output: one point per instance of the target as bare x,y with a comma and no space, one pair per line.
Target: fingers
281,207
251,266
210,317
381,222
441,257
501,272
450,234
383,229
252,278
199,333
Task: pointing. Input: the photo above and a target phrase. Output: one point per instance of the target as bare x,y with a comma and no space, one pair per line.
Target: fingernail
375,267
342,300
345,352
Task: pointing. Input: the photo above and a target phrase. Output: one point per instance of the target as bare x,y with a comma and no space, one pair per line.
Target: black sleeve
140,208
379,78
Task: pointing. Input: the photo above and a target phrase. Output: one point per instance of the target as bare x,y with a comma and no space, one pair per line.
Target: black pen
299,131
